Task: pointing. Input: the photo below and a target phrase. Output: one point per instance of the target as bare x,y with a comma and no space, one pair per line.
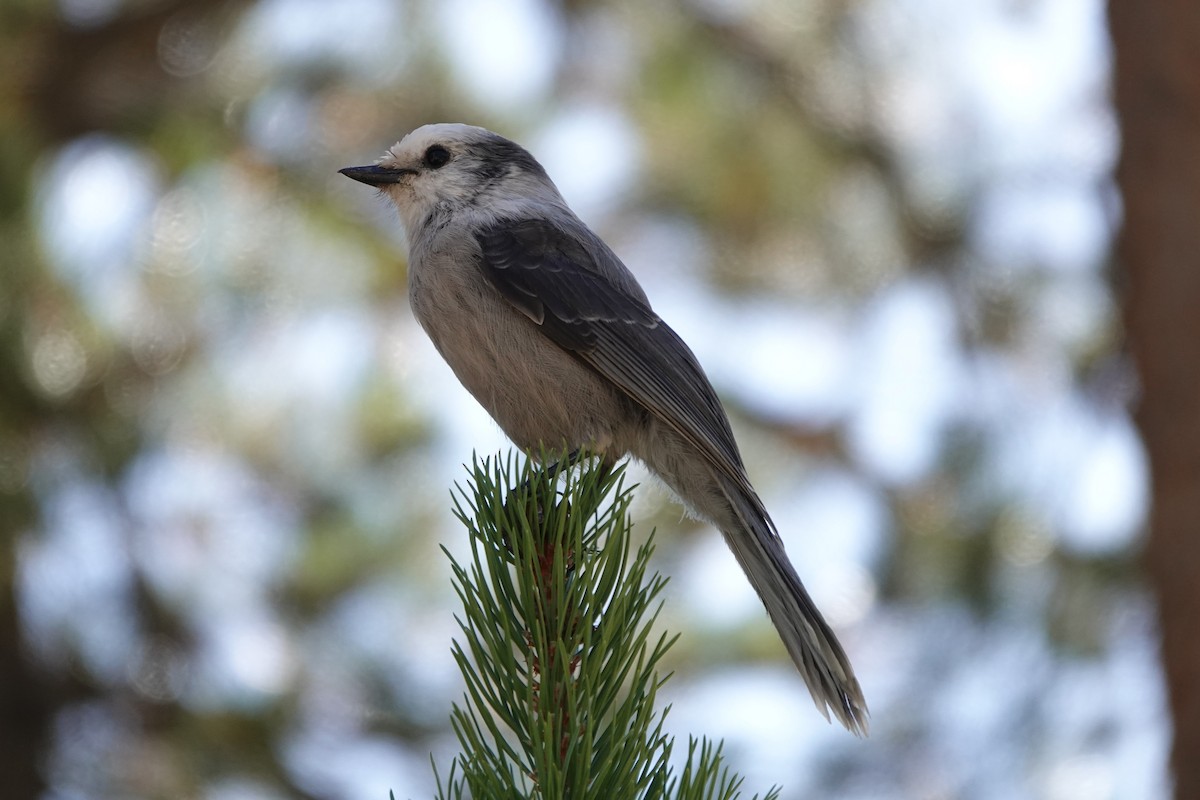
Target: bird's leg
571,459
523,492
602,470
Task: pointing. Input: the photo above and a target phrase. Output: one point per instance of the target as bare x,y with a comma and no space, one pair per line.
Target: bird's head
450,166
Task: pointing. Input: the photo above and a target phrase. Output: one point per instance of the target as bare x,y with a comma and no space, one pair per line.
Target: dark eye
436,157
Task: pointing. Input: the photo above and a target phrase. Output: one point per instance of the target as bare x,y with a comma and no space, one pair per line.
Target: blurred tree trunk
23,705
60,81
1157,85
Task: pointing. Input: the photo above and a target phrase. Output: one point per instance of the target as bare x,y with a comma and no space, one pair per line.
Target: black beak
376,175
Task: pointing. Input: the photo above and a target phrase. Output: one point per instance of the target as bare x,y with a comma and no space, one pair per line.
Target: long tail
809,640
732,505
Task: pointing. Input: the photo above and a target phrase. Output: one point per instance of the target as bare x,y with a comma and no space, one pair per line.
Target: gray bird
552,334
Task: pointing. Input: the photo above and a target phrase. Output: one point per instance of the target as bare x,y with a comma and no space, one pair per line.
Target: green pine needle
560,666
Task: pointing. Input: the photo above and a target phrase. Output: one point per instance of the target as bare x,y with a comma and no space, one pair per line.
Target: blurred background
227,450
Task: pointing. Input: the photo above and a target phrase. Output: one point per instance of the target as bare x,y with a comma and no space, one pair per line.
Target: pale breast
537,392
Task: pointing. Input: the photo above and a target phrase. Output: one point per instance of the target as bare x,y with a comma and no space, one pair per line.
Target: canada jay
552,334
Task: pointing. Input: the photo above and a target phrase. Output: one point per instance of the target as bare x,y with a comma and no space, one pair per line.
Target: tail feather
731,504
809,640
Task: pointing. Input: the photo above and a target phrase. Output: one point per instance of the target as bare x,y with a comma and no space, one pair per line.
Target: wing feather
560,280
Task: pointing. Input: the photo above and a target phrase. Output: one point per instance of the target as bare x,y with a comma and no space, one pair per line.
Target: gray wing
557,280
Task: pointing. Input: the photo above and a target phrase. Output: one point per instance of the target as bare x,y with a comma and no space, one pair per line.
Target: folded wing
560,280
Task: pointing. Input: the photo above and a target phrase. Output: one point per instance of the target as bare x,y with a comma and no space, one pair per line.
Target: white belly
537,392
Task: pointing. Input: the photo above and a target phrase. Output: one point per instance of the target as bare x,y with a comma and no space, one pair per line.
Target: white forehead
419,140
